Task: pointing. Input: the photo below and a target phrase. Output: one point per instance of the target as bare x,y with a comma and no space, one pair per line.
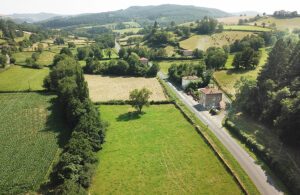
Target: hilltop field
217,40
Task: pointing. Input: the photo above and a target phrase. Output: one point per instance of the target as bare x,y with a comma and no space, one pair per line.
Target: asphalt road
263,182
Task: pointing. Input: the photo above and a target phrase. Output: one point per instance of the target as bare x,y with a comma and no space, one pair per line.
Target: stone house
210,97
144,61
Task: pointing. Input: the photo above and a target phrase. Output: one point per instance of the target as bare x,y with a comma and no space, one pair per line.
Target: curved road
263,182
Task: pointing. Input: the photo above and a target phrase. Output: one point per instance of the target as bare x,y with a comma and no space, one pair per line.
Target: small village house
210,97
185,81
144,61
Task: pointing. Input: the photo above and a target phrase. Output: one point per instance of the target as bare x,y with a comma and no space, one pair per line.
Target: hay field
217,40
233,19
106,88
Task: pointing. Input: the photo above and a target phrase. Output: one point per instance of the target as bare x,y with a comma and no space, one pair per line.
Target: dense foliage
216,58
248,58
128,66
176,72
253,41
274,98
73,172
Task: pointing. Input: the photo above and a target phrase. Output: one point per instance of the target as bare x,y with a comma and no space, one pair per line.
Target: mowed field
158,152
21,78
45,58
106,88
232,20
217,40
30,126
227,78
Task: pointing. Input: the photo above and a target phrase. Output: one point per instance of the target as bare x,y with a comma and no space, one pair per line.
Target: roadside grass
166,64
264,136
203,42
218,146
18,78
31,135
157,152
246,28
107,88
227,78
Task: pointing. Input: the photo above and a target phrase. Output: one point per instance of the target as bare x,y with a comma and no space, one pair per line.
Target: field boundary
206,139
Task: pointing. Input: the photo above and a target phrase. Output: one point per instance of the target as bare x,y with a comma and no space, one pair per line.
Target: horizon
94,6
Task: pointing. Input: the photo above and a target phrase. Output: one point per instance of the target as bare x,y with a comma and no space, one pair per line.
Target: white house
185,81
187,52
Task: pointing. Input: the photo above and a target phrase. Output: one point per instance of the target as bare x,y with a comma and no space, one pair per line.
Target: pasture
203,42
19,78
166,64
31,130
232,20
281,24
246,28
158,152
227,78
126,30
106,88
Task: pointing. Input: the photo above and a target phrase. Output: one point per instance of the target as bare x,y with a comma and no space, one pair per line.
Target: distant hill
142,14
31,18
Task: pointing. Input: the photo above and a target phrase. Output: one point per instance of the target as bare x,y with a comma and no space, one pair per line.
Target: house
210,97
187,52
185,81
144,61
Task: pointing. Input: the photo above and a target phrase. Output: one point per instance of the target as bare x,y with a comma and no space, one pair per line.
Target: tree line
274,97
77,163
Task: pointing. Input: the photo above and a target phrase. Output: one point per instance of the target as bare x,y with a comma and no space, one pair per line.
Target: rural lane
260,178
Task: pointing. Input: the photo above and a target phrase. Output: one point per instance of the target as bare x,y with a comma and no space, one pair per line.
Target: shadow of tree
129,116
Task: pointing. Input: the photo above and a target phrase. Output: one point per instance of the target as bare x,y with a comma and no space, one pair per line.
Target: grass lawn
18,78
217,40
26,36
228,78
166,64
105,88
157,153
30,126
246,28
229,62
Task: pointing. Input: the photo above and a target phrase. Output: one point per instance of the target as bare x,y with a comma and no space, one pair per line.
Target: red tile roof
210,90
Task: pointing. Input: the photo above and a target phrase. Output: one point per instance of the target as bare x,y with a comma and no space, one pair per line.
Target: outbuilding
185,81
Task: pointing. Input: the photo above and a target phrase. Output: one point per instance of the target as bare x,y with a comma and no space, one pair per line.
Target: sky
69,7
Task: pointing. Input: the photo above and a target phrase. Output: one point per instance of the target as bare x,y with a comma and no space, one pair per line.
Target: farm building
185,81
144,61
210,97
187,52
